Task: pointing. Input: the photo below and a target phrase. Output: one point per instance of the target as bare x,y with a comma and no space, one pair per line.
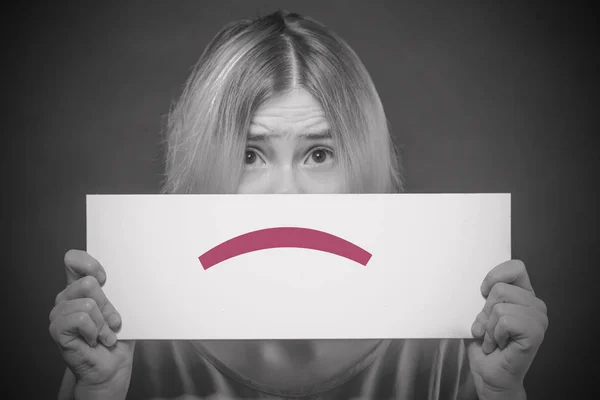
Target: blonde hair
249,62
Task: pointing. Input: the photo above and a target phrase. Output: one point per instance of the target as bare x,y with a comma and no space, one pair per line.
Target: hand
512,324
83,323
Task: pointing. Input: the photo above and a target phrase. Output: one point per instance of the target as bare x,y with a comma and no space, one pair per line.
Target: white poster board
386,265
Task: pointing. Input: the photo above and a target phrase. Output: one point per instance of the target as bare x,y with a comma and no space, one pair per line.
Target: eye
252,158
319,156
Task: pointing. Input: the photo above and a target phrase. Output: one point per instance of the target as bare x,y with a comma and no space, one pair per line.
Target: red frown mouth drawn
288,237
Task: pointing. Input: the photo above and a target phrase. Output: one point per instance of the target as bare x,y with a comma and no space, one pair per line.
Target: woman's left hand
512,324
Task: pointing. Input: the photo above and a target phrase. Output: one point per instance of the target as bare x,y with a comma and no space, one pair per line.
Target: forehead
291,113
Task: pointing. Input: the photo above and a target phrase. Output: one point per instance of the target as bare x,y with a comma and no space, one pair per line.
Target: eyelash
319,148
255,151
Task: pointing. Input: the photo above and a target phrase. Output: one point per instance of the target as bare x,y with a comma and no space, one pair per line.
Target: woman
280,104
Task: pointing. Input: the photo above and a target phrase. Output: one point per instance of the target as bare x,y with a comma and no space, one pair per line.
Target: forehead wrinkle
292,113
318,127
296,113
284,123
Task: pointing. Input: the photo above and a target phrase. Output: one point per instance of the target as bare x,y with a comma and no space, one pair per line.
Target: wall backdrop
481,97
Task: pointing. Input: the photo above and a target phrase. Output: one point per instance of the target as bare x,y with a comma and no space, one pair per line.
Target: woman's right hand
83,323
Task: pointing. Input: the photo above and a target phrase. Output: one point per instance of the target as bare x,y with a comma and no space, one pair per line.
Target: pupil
250,157
318,156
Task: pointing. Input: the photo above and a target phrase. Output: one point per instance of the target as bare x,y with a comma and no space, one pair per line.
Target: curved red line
284,237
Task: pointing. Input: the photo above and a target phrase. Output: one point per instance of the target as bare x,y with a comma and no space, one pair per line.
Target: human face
290,149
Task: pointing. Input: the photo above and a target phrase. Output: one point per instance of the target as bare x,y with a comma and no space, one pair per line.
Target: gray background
482,97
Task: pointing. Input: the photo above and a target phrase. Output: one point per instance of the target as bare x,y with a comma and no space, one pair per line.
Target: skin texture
280,158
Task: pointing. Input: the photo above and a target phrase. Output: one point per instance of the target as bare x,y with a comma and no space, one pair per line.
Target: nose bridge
286,180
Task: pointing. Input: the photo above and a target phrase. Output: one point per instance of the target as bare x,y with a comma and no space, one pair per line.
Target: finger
65,330
513,272
105,335
507,293
79,263
88,287
488,344
499,311
478,328
523,330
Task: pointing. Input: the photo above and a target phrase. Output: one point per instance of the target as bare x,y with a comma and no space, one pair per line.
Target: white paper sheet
427,257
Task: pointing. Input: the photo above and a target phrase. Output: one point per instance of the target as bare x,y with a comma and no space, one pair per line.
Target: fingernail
113,320
477,329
